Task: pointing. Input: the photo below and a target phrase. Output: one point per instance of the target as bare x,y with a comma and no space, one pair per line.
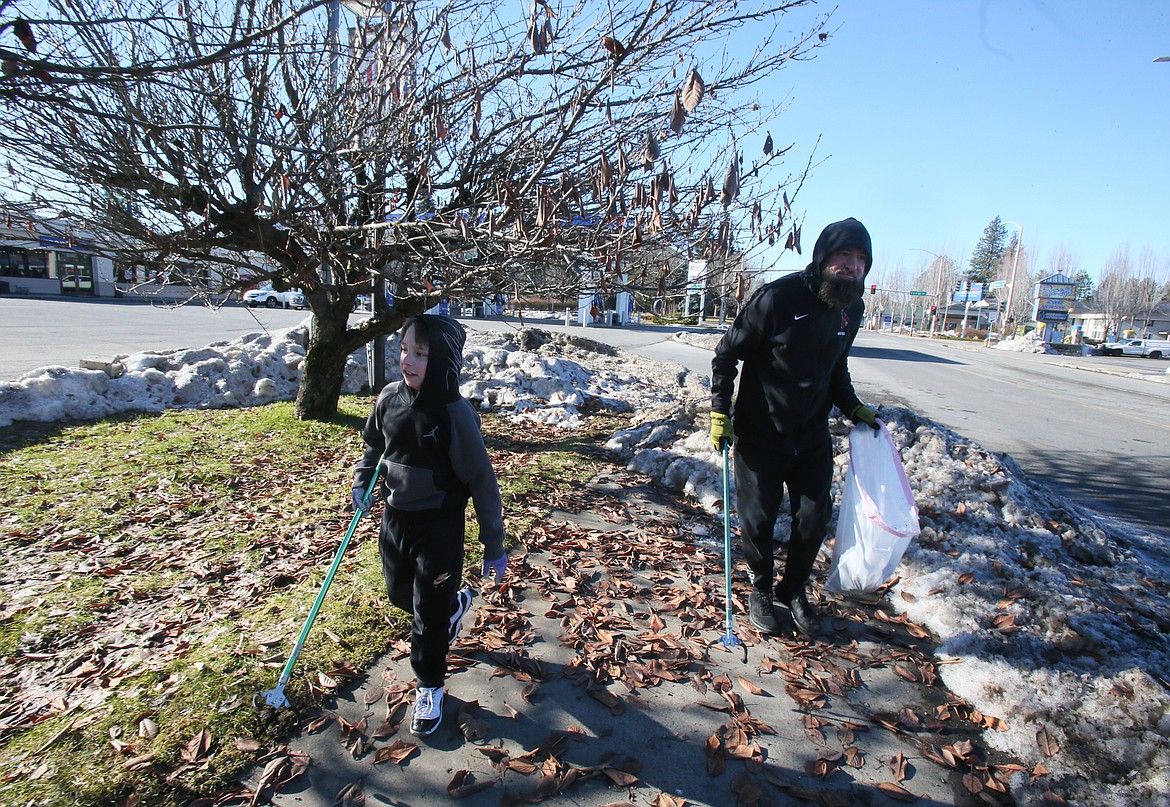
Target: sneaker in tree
762,613
462,606
428,710
806,618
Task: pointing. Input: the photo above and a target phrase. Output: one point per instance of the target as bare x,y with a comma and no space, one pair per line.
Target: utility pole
939,259
1012,285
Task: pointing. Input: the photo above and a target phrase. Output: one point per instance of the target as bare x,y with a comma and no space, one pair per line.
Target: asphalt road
39,332
1095,435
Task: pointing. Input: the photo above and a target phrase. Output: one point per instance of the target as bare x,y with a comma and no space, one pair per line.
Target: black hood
445,339
839,235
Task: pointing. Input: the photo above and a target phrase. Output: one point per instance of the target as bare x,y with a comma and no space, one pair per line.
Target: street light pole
1012,285
937,288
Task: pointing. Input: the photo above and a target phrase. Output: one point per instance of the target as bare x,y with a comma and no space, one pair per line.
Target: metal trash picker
275,697
729,639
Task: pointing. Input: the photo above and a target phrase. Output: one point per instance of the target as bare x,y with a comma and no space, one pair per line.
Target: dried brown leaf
197,746
397,752
677,115
247,745
619,777
352,795
896,792
464,784
693,91
1048,744
750,687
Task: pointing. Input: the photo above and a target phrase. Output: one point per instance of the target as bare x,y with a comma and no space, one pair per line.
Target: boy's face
413,360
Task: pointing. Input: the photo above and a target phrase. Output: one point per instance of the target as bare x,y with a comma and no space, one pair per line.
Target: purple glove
360,503
496,568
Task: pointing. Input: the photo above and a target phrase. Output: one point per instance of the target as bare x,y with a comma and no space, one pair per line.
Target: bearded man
793,337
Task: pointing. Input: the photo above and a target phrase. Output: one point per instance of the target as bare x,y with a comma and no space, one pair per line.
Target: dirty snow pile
1028,343
1055,620
528,374
254,369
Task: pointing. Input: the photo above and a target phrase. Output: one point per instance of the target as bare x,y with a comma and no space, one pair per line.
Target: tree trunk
324,369
330,342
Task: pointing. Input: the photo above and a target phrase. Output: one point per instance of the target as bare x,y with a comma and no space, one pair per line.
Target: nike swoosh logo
799,316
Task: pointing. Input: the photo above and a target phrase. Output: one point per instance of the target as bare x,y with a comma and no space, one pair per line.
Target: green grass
160,567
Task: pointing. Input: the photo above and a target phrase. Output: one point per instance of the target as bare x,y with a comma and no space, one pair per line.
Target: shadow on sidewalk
594,676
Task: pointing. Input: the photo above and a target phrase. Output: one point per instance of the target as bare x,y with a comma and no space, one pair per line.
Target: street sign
917,294
997,284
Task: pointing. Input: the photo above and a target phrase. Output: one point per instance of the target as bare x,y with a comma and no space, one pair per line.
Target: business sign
1048,315
696,270
1057,292
51,241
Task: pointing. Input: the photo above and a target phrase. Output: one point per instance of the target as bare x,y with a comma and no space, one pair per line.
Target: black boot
804,616
762,613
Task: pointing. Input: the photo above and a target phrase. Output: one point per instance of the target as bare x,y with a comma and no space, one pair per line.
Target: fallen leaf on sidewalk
750,687
397,752
352,795
464,784
896,792
473,728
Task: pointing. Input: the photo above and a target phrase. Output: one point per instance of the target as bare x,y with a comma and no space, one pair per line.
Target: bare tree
1152,274
1063,262
442,148
1113,289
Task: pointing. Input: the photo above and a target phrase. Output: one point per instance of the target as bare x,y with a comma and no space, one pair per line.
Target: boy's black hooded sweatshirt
434,452
794,348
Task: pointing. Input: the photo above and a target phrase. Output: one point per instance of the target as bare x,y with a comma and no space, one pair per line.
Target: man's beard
841,292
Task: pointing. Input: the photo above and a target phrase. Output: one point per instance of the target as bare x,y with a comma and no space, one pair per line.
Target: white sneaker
428,710
462,606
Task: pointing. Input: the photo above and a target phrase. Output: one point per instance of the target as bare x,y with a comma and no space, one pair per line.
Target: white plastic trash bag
878,516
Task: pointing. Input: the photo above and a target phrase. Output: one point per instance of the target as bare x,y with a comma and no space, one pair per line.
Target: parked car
1151,348
270,298
297,300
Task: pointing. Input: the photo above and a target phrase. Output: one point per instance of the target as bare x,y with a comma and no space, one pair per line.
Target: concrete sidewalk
595,676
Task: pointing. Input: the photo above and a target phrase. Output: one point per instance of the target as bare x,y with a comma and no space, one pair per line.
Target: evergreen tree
1084,285
988,252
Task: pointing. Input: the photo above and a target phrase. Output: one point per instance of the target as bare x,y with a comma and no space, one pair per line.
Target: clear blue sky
937,116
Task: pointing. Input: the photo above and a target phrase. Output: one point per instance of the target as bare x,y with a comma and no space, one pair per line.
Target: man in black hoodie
793,337
426,437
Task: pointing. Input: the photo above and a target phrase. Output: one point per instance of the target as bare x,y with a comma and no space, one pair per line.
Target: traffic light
873,288
933,310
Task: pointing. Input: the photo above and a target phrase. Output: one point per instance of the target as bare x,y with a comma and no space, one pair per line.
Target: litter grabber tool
729,639
276,697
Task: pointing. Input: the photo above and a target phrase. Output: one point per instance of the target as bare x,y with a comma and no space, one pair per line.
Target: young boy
427,437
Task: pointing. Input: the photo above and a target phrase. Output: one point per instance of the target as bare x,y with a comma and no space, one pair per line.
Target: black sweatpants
761,474
422,563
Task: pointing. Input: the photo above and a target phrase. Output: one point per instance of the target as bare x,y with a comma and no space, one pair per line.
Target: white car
269,298
1150,348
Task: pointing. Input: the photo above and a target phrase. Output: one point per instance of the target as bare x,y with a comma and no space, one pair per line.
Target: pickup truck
269,298
1150,348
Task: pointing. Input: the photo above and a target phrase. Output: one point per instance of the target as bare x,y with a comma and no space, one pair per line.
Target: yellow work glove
721,430
864,414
